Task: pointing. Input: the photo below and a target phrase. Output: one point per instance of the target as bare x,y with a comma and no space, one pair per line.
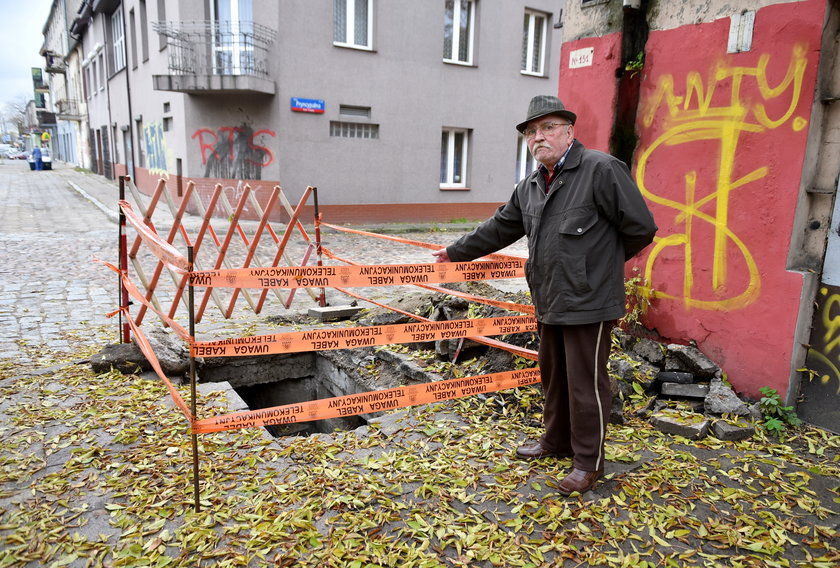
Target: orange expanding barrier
243,279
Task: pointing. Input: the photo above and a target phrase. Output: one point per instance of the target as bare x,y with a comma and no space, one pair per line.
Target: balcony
54,63
68,109
209,57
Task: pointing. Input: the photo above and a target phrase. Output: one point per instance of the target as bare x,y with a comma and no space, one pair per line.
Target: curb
113,217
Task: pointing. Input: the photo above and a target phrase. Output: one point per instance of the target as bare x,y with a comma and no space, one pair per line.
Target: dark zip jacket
580,233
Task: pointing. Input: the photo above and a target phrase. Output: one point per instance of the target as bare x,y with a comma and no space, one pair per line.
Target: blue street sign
308,105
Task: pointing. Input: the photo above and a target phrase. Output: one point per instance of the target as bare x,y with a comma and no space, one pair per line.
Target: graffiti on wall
156,149
707,125
823,357
233,152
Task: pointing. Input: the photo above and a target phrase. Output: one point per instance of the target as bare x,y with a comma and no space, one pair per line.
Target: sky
21,22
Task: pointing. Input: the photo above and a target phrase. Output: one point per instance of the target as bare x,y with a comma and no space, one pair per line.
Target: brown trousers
576,385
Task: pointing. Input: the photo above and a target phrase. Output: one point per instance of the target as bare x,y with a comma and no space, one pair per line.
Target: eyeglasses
546,129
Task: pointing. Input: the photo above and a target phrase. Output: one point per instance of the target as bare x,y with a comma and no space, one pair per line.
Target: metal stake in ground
322,299
125,333
191,303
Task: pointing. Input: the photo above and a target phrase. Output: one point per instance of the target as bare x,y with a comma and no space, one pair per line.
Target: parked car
46,159
6,150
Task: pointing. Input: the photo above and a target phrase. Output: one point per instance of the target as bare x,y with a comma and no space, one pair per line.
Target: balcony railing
67,107
217,48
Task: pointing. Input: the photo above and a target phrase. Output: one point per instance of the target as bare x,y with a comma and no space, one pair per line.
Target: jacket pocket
578,277
578,221
575,239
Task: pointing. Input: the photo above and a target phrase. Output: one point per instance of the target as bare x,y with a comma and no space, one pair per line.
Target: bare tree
14,114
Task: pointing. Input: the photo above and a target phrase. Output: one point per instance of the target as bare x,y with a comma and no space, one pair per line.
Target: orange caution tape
373,401
163,250
132,289
364,336
516,350
147,350
512,306
494,256
358,275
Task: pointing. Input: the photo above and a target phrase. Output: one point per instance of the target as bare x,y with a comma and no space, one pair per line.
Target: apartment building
67,132
394,109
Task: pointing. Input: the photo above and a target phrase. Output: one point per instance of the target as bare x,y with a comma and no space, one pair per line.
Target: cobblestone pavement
49,285
56,222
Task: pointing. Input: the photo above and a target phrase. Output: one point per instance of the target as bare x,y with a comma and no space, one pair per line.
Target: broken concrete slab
692,360
680,377
689,391
681,424
171,352
632,369
127,358
334,313
723,400
649,350
124,357
729,432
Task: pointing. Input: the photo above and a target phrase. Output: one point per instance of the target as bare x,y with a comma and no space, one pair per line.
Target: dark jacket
579,235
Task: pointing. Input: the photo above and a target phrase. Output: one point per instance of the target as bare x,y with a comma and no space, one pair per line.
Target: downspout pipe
634,34
128,94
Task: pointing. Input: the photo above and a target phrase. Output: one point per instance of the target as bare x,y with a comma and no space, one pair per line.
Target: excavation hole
278,380
291,391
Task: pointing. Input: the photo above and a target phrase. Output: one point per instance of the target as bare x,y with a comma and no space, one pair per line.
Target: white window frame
525,161
449,21
87,81
349,35
101,65
119,39
450,178
528,43
228,56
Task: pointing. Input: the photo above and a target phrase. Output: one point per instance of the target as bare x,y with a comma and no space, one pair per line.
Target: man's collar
560,162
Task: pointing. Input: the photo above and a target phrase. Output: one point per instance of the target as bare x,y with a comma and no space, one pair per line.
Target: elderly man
584,217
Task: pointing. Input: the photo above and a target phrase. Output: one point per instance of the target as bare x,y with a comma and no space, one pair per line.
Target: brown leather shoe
579,480
537,450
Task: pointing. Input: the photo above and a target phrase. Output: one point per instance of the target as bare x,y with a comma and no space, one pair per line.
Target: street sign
308,105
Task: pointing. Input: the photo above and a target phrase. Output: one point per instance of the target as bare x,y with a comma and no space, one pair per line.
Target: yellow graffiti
820,355
158,155
692,117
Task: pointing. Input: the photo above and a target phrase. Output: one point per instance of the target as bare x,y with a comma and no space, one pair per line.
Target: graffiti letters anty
710,121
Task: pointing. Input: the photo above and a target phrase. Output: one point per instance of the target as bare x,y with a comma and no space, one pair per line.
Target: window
525,162
141,147
233,46
161,12
354,111
353,130
144,30
118,39
533,43
453,158
114,138
132,27
458,23
86,85
101,83
352,23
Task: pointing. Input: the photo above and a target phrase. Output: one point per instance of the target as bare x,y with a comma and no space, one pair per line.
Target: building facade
67,133
397,111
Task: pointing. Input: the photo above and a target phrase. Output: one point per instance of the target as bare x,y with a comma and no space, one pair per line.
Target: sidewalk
95,470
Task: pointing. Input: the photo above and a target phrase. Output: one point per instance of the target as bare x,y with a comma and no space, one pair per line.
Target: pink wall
590,91
720,156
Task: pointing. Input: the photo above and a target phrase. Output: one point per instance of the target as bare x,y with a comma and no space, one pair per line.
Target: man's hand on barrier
441,255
